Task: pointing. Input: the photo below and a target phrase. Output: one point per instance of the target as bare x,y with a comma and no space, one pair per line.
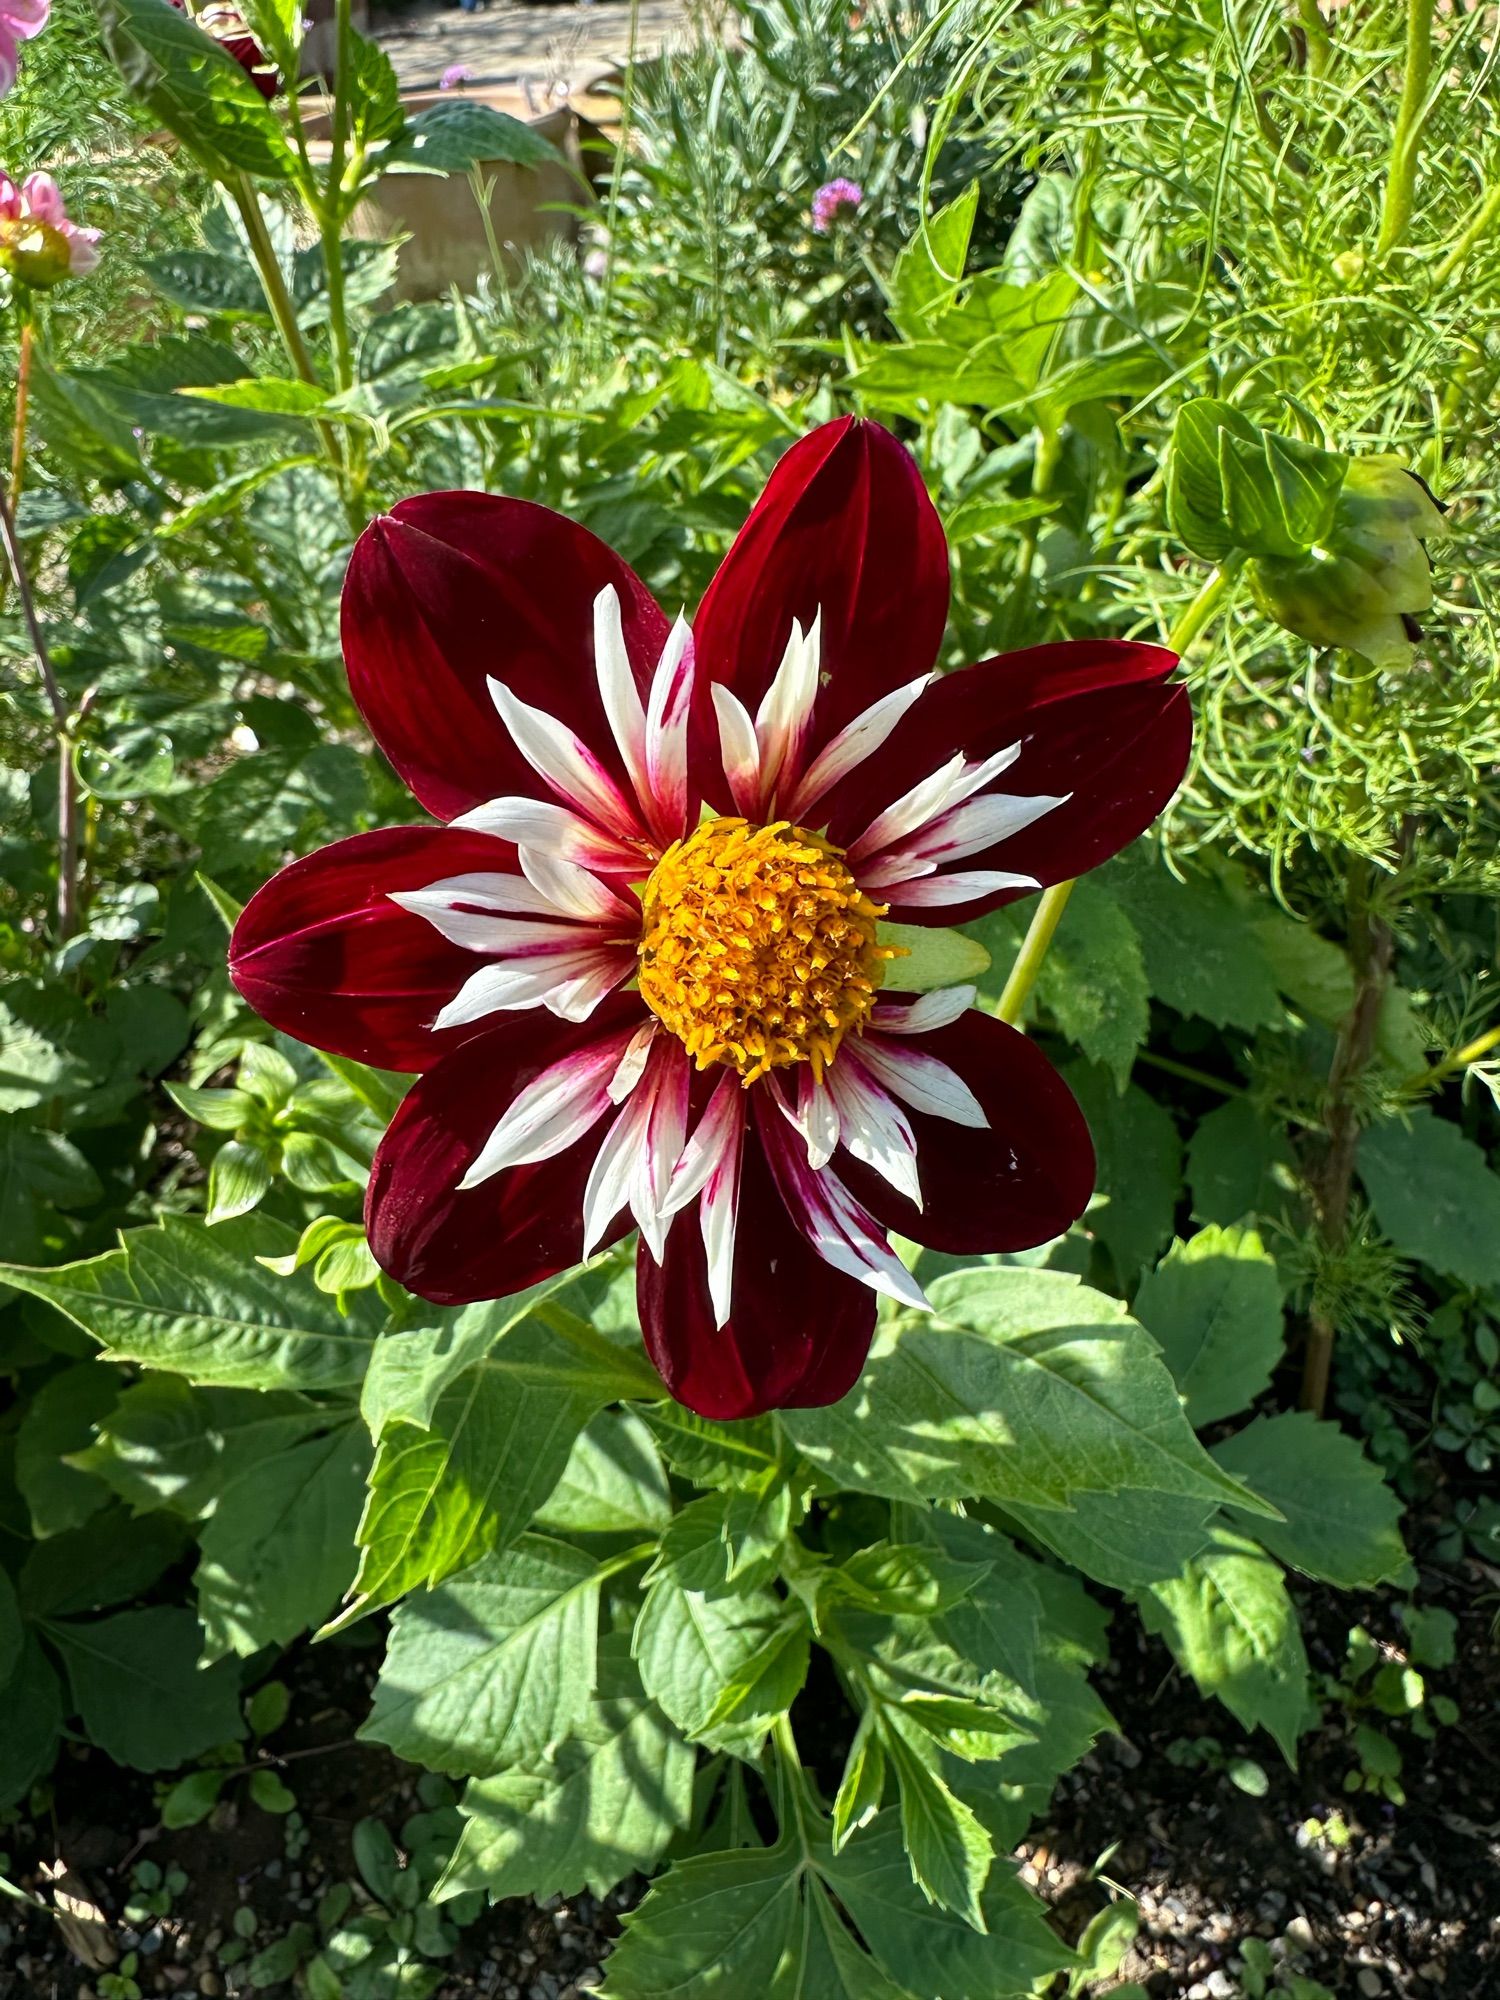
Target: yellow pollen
758,947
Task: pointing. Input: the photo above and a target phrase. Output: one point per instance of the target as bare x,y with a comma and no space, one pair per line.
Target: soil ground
543,46
1407,1908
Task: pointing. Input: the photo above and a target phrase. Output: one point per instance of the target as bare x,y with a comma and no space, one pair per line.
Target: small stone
1197,1991
1434,1971
1220,1985
1370,1983
524,1957
1299,1934
1429,1877
272,1871
210,1985
151,1941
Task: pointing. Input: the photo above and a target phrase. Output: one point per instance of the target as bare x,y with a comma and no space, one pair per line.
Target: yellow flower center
758,946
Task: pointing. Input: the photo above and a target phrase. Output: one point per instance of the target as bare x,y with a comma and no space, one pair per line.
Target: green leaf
239,1178
949,1850
1139,1170
862,1788
114,1556
1213,1304
710,1454
732,1538
602,1806
166,1444
1433,1195
613,1483
206,281
1341,1521
1231,1625
59,1419
754,1921
1231,485
927,1951
278,1551
450,138
12,1632
195,88
932,958
1312,972
1200,953
140,1692
32,1703
1021,1385
494,1666
904,1581
766,1684
1122,1539
40,1173
1237,1164
928,272
1093,980
469,1483
691,1648
193,1300
276,396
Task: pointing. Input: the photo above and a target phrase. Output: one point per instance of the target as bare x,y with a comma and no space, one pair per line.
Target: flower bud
1363,584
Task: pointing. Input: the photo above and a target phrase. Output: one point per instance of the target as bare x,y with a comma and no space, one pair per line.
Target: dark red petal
324,954
521,1225
1017,1184
451,588
799,1330
1093,717
844,527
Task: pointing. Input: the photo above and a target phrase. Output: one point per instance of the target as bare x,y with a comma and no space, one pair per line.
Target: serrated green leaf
1139,1171
1231,1625
1434,1195
140,1692
1093,980
1020,1385
278,1551
602,1806
1213,1305
450,138
689,1648
194,1300
1341,1522
195,88
614,1482
1237,1164
494,1666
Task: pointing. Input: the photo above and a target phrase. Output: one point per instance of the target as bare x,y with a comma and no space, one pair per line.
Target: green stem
273,283
1319,41
331,209
1401,176
1048,914
63,728
1043,470
1482,222
1471,1052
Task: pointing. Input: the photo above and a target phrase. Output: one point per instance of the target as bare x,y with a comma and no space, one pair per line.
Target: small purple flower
833,201
455,76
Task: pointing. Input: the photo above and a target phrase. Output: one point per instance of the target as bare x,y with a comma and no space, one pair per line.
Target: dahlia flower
228,27
20,20
643,967
39,246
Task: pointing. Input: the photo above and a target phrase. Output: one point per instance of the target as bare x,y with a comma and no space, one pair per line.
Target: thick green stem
1048,915
1401,176
1315,32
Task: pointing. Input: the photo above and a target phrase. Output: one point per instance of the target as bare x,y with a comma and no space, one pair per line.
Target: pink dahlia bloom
833,201
640,968
19,21
38,244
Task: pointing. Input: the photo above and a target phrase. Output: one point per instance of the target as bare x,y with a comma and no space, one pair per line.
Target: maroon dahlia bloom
641,968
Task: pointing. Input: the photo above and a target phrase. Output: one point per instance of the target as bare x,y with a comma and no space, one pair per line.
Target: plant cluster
1180,313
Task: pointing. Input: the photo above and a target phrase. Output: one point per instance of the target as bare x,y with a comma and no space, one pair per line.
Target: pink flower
19,21
39,246
833,201
627,1011
455,76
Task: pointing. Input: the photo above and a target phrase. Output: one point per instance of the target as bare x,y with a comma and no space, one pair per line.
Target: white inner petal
856,741
948,786
554,1110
